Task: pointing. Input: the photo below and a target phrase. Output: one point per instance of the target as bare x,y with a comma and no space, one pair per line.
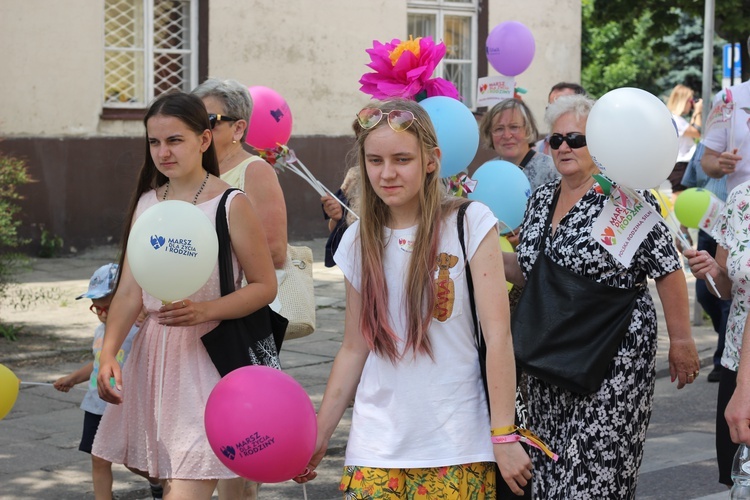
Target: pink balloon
261,424
271,120
510,48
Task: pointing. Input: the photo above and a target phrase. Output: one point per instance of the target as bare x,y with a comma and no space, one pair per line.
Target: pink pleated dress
127,433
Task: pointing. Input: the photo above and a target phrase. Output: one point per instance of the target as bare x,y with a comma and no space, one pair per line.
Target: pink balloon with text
271,120
261,424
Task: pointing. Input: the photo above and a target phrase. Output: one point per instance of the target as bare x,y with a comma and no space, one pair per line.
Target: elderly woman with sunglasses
599,436
229,107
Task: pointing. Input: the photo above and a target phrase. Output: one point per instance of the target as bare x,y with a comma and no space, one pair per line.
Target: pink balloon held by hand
261,424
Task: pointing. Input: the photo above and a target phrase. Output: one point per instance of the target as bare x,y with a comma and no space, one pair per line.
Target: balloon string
50,385
675,231
318,186
161,381
672,217
302,165
304,491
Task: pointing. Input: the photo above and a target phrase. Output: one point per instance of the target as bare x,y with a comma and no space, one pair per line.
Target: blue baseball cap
102,282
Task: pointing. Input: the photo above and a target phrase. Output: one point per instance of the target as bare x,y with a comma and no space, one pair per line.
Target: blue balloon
457,133
504,188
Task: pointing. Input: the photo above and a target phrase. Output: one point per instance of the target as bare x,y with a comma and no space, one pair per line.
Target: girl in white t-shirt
420,423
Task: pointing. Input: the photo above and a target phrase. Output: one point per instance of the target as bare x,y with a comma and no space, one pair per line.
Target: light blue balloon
504,188
457,133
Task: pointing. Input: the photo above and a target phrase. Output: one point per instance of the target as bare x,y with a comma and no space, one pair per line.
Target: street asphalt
39,438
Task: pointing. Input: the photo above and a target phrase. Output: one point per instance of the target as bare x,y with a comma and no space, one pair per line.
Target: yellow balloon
665,202
8,390
506,246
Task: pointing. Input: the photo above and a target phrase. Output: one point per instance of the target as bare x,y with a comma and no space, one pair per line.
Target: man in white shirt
725,155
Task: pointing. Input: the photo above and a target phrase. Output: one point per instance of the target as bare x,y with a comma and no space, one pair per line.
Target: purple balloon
510,48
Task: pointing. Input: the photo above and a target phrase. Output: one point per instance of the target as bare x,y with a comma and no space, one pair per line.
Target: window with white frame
455,24
150,47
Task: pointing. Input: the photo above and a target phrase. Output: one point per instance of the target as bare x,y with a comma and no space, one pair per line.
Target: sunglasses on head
213,119
574,140
399,120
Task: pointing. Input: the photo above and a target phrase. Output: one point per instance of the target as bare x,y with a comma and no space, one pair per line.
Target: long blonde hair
434,205
679,96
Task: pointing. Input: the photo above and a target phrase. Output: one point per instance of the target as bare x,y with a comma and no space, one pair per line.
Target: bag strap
548,224
526,159
225,245
460,223
478,337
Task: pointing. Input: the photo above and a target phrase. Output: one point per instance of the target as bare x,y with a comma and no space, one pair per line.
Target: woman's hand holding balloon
182,313
728,161
514,237
332,208
309,473
701,263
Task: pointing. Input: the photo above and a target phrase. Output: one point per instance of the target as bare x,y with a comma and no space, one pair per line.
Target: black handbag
567,327
243,341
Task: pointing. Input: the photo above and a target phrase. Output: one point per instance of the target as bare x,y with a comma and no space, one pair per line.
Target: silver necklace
195,199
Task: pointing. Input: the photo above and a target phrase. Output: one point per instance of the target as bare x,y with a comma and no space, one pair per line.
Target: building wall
313,53
556,26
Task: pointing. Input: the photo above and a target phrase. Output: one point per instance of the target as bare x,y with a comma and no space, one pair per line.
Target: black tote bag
566,327
240,342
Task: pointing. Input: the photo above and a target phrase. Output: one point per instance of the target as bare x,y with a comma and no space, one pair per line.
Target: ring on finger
183,304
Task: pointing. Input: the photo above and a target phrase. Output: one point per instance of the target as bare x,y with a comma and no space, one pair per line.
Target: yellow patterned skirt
457,482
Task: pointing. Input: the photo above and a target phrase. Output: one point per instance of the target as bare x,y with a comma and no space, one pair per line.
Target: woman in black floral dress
599,436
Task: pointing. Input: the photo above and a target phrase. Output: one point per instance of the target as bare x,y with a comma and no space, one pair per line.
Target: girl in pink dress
181,164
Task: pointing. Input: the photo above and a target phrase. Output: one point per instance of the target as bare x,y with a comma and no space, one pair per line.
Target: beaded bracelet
513,433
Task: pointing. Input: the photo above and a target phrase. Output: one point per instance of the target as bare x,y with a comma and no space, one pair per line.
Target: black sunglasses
574,140
213,119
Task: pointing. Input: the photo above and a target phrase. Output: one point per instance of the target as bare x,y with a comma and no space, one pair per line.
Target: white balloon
632,138
172,250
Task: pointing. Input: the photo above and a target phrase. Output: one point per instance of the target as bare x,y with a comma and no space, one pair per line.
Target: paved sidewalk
39,438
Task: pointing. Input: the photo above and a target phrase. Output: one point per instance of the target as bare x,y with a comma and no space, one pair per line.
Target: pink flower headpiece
404,69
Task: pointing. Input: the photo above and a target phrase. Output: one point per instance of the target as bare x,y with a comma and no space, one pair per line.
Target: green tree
732,18
13,173
685,59
619,53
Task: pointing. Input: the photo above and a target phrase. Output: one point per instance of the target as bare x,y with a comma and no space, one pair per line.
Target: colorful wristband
525,436
503,431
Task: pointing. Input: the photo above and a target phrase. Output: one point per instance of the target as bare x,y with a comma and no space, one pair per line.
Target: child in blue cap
100,293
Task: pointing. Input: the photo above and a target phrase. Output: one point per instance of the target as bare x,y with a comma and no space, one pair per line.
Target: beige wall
556,26
52,60
312,53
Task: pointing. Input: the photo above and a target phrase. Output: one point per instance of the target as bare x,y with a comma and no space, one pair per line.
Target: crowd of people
434,409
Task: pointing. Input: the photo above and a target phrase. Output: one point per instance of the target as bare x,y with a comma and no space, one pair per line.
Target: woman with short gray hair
229,107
